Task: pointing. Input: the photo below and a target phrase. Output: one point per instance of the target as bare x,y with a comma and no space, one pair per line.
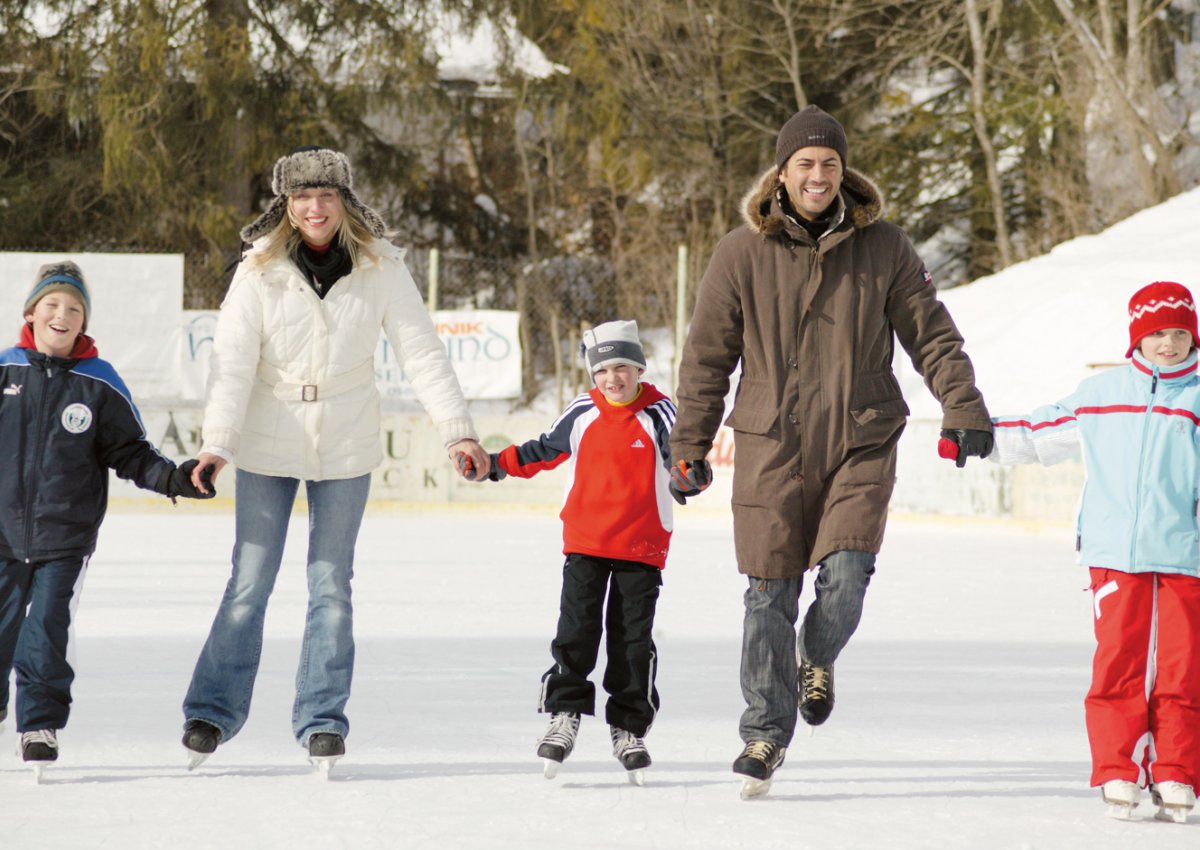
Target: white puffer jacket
291,390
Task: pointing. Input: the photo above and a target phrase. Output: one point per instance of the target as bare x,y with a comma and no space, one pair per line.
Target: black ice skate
38,749
815,689
324,749
756,765
631,752
200,739
558,742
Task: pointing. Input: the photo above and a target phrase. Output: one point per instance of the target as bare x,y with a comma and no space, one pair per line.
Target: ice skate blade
196,759
324,765
752,788
1172,814
550,768
637,777
1120,811
38,768
812,730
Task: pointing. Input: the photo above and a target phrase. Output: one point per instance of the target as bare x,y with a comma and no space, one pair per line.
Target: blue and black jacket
64,422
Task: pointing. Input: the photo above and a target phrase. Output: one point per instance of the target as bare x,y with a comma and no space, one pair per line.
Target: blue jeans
223,681
770,648
37,607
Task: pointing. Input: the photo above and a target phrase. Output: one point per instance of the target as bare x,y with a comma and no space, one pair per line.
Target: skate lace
40,736
625,743
764,751
1173,794
816,683
563,729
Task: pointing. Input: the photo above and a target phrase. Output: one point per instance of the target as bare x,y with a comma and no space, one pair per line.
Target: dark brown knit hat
811,126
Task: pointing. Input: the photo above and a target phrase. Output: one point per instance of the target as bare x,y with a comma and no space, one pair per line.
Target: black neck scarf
324,269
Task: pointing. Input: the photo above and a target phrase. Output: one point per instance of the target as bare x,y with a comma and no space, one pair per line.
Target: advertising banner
483,346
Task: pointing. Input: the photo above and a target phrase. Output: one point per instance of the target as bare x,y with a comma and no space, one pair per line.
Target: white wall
136,316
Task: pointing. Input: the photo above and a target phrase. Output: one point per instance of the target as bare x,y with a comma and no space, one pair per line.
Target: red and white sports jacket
618,503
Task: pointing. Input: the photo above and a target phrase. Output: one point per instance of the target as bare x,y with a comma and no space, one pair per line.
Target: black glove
958,444
688,478
179,482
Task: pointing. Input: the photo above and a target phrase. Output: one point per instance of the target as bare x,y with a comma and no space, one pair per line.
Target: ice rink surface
958,722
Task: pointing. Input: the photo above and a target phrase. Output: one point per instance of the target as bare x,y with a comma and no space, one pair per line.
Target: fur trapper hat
311,168
612,344
60,277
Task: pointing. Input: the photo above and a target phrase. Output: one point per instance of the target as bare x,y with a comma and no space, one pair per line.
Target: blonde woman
291,399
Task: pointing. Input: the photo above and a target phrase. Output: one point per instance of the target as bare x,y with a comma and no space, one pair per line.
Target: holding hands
957,444
192,481
471,460
689,478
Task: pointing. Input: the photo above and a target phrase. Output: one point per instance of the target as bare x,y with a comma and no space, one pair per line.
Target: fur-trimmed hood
763,215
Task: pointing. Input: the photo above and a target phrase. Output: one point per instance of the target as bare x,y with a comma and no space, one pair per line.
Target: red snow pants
1143,708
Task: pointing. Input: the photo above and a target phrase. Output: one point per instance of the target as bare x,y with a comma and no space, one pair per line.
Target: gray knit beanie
612,344
60,277
811,126
311,168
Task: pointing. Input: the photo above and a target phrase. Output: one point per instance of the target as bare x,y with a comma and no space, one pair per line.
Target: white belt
287,388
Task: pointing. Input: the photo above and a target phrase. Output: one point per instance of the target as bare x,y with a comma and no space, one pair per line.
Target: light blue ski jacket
1139,429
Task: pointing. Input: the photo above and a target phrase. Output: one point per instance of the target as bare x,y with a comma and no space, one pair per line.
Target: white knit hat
612,344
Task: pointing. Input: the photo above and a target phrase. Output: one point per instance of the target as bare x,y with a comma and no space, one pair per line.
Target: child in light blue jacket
1138,427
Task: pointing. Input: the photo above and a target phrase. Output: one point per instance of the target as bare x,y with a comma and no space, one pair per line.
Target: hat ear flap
266,222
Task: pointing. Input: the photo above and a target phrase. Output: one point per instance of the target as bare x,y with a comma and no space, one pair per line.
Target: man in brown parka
809,295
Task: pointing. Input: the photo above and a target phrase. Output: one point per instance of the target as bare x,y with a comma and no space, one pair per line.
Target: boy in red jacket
616,531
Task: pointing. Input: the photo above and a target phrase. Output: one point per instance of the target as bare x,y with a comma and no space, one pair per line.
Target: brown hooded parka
818,411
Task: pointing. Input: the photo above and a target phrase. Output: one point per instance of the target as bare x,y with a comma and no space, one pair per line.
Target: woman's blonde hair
352,231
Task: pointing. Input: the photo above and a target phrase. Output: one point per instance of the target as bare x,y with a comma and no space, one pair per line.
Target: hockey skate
324,749
1121,797
200,739
558,742
38,749
1174,800
631,752
815,691
757,765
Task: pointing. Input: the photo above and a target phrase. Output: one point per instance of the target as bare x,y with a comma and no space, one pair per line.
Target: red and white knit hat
1159,306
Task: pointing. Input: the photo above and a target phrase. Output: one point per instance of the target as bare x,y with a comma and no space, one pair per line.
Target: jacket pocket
876,395
755,408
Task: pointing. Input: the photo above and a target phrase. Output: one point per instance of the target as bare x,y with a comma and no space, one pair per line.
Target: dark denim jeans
37,608
770,648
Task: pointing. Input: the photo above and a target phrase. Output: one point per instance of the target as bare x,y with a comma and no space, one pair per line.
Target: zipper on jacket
34,459
1137,490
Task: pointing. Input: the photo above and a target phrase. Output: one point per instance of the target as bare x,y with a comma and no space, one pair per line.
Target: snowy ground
958,722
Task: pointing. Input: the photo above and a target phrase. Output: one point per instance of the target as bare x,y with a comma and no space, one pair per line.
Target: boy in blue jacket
66,418
1137,532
